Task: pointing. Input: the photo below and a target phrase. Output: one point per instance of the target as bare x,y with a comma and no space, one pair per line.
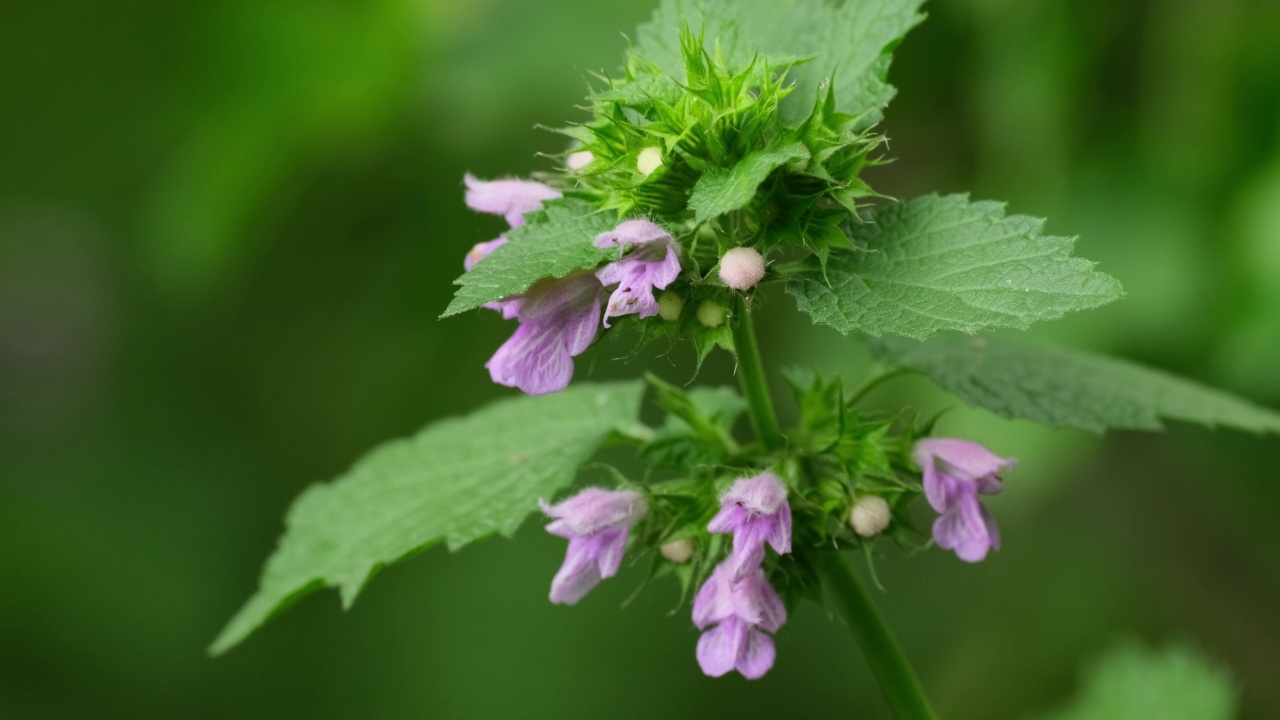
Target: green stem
751,375
897,680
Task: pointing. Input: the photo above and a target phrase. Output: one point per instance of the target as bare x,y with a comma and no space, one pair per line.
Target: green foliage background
226,232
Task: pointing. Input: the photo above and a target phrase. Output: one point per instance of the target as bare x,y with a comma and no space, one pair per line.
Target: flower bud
579,160
870,515
712,314
670,306
677,551
741,268
648,160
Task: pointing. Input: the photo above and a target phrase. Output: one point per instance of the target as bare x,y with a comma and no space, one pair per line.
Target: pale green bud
712,314
670,305
677,551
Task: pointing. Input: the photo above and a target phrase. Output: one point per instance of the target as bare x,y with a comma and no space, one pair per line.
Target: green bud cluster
673,148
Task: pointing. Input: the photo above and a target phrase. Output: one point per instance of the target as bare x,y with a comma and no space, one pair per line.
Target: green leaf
945,263
1068,388
720,191
850,43
553,242
1175,683
457,480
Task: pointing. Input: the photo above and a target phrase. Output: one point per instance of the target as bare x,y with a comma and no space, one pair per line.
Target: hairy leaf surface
722,190
849,43
1068,388
456,481
945,263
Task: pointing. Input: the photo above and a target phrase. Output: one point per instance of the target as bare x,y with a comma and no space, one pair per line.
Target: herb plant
719,168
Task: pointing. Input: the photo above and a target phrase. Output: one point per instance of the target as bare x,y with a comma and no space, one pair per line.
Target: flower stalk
901,687
751,376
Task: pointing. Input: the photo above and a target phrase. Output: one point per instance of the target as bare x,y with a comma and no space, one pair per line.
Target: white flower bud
677,551
711,313
670,306
870,515
741,268
648,160
579,160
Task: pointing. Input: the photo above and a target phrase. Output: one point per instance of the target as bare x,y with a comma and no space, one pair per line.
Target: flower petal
762,494
968,458
718,648
511,198
633,232
577,576
534,359
594,509
715,600
755,655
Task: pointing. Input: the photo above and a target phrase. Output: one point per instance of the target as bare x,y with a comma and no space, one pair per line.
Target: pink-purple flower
744,612
558,321
510,198
756,511
955,473
596,523
653,264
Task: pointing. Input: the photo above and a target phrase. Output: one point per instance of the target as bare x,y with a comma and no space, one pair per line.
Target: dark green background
226,231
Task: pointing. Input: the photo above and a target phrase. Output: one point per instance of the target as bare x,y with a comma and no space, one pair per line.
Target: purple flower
596,523
510,198
955,473
654,264
755,510
558,320
743,612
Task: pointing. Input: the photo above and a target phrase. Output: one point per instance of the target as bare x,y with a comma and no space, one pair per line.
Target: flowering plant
720,166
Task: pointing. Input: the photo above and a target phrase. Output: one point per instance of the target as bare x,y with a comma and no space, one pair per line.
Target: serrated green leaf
1058,387
850,41
456,481
1174,683
945,263
553,242
721,190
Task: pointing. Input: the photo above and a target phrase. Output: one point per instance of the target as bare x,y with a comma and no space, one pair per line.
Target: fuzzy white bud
579,160
712,314
677,551
670,305
648,160
870,515
741,268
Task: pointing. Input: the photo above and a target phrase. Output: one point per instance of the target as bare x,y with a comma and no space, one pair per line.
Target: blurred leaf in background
278,84
1171,683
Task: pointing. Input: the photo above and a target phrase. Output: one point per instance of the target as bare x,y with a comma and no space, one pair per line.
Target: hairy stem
751,375
897,680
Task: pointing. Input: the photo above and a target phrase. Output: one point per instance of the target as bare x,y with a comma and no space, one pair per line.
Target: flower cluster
559,317
737,608
737,599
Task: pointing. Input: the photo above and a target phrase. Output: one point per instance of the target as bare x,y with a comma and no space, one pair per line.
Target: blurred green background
226,231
